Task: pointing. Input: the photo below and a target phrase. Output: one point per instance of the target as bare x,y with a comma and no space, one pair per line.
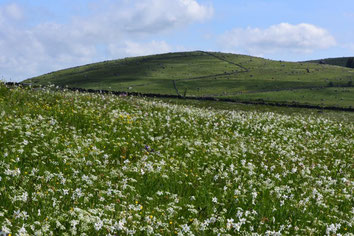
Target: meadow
91,164
213,74
338,61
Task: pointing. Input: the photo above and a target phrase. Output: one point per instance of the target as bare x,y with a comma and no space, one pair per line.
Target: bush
350,63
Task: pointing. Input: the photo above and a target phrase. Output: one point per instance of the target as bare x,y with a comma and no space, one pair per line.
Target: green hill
338,61
214,74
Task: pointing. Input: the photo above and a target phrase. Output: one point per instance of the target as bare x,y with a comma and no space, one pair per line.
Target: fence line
156,95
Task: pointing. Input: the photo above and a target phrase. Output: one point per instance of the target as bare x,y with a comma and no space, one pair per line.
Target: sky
40,36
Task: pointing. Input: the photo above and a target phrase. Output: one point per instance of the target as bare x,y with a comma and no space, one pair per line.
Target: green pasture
213,74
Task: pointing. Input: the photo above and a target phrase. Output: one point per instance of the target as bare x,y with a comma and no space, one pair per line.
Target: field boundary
152,95
223,59
210,75
280,90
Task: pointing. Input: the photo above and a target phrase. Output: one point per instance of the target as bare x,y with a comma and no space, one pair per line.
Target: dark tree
350,63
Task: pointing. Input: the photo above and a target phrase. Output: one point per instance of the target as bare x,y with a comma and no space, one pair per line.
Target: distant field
342,116
213,74
325,96
338,61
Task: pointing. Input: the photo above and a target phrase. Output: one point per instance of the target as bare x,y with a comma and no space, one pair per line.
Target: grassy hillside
101,164
338,61
213,74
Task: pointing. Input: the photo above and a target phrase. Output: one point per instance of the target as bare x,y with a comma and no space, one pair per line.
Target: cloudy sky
40,36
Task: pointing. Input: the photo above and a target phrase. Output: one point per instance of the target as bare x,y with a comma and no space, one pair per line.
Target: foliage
90,164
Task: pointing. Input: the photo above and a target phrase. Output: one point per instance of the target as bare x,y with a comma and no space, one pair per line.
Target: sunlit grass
94,164
213,74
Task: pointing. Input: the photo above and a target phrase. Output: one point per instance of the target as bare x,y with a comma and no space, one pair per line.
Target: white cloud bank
140,49
114,29
284,37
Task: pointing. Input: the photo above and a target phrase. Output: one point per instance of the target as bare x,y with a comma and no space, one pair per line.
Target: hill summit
215,74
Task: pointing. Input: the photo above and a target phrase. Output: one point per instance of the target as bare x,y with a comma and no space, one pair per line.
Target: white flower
98,225
17,214
22,231
230,223
185,228
215,199
332,228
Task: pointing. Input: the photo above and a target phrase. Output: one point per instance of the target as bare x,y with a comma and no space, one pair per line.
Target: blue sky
38,36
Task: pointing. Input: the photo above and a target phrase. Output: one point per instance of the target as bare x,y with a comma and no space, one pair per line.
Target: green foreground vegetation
90,164
342,116
214,74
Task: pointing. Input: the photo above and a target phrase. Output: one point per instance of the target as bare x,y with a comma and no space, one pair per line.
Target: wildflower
98,225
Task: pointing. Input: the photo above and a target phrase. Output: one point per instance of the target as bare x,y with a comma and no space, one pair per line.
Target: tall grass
88,164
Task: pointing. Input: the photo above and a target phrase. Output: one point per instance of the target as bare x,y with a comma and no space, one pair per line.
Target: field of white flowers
89,164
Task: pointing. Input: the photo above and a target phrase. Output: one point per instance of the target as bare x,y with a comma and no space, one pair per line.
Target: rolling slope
214,74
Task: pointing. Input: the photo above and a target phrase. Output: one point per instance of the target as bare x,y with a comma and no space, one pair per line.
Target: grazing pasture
213,74
90,164
337,61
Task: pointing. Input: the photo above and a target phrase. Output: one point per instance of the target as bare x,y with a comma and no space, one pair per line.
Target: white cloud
12,11
113,28
156,15
301,38
132,48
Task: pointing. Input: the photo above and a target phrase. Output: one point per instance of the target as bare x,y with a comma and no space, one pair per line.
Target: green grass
207,74
338,61
234,106
325,96
91,164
